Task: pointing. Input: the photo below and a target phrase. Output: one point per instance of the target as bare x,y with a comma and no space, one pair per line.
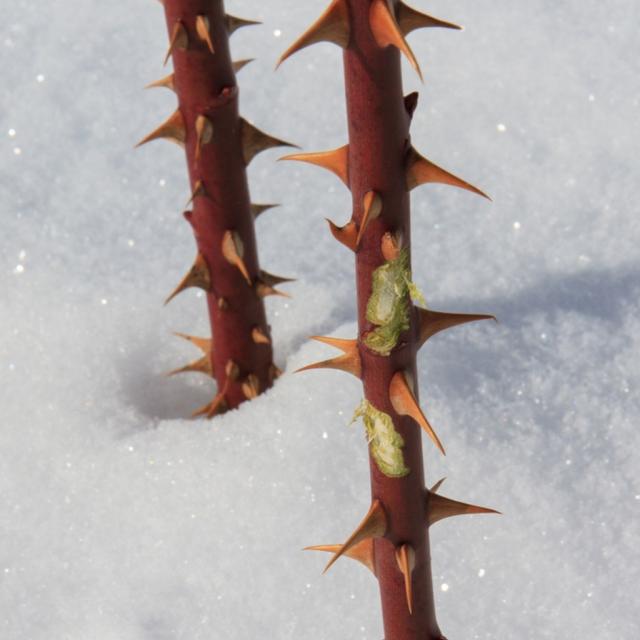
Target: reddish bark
205,84
380,159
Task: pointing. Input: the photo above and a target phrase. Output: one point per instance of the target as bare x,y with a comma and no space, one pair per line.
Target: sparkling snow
122,520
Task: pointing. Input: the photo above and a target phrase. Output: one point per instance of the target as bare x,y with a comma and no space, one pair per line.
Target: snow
120,519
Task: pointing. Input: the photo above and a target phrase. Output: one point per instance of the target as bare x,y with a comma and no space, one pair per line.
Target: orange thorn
439,507
432,322
350,362
404,403
263,290
238,65
347,235
198,276
198,190
251,387
259,336
203,31
179,40
406,559
336,161
172,129
233,251
391,245
409,19
204,131
386,31
255,141
232,370
167,82
258,209
374,525
332,26
204,344
372,209
363,552
420,171
216,407
233,23
202,365
272,280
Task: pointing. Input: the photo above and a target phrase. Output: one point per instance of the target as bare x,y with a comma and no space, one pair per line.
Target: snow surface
121,520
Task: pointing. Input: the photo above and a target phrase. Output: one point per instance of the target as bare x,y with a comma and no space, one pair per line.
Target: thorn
437,485
332,26
172,129
233,252
198,191
259,209
432,322
336,161
232,370
167,82
203,31
259,336
420,171
347,235
255,141
409,19
204,131
374,525
362,552
386,31
251,387
233,23
198,276
372,209
274,373
223,304
271,280
406,559
179,40
350,362
404,403
238,65
439,508
216,407
410,103
263,290
391,245
202,365
204,344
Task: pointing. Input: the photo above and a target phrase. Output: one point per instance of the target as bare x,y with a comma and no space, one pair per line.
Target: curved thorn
198,191
350,362
363,552
273,280
432,322
374,525
204,344
238,65
336,161
255,141
233,252
198,276
439,508
386,31
346,235
173,129
332,26
204,32
372,209
168,82
179,40
259,336
406,559
234,23
420,171
437,485
404,403
263,290
258,209
410,19
202,365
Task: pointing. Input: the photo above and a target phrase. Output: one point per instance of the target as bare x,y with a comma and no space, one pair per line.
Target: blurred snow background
120,520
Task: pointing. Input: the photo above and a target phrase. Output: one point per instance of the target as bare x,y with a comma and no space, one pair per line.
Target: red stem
378,144
205,84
